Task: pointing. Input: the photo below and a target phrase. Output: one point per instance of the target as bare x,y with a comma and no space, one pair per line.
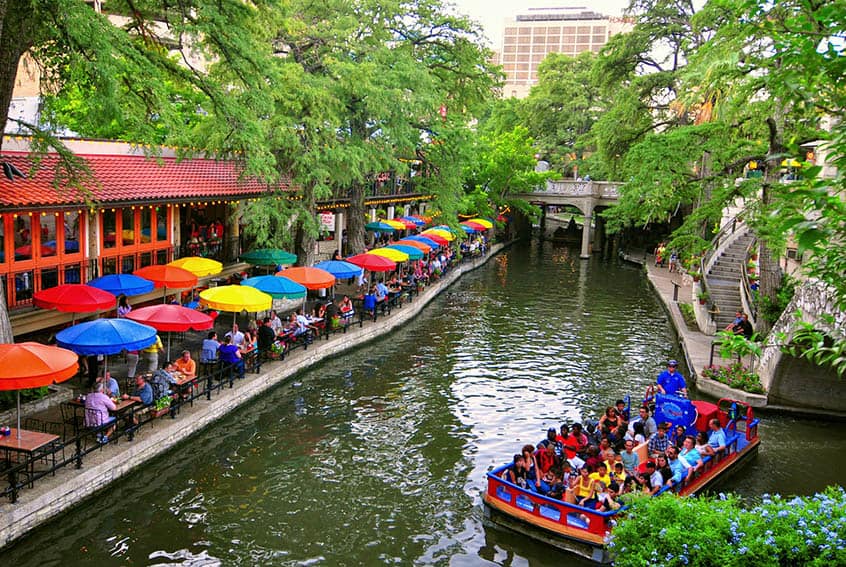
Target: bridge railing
581,188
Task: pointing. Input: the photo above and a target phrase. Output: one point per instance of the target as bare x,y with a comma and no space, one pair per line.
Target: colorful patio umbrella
423,247
475,225
74,298
278,287
33,365
106,336
167,276
427,241
397,225
171,318
406,224
413,252
436,238
198,265
312,278
424,218
122,284
379,226
236,298
484,222
468,229
390,254
417,221
445,234
268,257
339,268
373,262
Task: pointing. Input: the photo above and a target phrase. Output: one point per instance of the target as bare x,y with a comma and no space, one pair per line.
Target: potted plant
161,406
703,296
695,275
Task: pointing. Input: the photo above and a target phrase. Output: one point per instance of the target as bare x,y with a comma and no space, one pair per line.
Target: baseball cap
673,363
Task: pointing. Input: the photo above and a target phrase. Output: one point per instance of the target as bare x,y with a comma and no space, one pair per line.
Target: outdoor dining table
182,388
28,443
124,409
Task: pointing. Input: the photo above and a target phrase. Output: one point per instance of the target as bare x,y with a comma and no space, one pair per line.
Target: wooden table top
29,441
120,405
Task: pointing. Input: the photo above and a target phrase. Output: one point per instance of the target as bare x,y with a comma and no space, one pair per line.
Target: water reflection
379,456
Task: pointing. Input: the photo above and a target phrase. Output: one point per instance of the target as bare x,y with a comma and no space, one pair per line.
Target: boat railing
550,509
709,464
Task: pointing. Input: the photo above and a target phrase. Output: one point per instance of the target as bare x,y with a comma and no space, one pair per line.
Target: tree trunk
355,220
767,262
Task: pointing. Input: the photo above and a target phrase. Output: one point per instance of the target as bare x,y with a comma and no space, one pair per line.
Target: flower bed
735,376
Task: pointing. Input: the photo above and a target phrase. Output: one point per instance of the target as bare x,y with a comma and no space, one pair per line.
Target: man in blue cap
672,382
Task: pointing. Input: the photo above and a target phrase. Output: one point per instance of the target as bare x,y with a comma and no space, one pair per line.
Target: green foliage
9,398
688,314
771,309
734,344
709,531
736,376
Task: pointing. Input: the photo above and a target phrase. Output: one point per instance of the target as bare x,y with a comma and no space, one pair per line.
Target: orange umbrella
312,278
166,276
32,365
419,245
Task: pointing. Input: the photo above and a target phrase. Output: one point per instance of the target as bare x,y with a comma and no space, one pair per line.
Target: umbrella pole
169,333
19,414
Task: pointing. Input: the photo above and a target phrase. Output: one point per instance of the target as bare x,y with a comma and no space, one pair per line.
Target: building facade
528,38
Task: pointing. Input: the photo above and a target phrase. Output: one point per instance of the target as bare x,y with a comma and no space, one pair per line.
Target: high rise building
528,38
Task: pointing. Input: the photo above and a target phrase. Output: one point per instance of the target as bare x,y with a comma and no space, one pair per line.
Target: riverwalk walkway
52,495
672,288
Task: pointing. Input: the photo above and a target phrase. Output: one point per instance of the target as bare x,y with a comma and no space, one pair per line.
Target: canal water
379,456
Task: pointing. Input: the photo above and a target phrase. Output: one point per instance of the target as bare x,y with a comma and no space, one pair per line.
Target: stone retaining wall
54,495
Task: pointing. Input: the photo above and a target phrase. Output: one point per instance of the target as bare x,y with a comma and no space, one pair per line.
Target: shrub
709,531
735,376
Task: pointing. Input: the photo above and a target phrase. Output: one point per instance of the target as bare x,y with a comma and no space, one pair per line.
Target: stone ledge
720,390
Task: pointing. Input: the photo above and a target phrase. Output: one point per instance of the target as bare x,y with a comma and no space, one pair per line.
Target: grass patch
686,310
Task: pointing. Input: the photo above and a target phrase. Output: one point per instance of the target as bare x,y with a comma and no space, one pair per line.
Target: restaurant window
23,238
72,274
109,229
23,286
127,264
49,277
161,225
128,226
109,266
48,235
161,256
146,226
71,232
145,259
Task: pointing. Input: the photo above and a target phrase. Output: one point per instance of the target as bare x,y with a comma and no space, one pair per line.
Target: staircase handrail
748,297
724,237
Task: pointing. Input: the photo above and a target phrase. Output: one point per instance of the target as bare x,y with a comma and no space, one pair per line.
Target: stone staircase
724,280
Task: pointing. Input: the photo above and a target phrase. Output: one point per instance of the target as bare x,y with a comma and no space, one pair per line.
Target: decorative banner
327,221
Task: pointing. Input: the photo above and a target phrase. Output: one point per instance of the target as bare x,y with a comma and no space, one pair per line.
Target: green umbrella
268,257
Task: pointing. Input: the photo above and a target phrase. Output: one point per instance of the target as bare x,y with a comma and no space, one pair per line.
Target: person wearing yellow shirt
151,354
601,474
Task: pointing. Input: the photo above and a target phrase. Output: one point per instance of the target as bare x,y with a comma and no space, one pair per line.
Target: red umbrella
373,263
312,278
171,318
32,365
74,298
167,276
435,238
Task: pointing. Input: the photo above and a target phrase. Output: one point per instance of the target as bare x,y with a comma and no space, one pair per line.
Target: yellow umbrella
445,234
198,266
390,254
484,222
236,298
396,224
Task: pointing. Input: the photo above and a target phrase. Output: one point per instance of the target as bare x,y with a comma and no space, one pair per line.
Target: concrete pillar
372,215
339,232
599,233
543,222
406,210
391,210
586,235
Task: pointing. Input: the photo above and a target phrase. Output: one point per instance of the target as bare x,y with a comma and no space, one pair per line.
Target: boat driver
672,382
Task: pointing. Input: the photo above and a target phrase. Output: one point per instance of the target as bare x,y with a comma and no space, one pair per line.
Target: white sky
492,13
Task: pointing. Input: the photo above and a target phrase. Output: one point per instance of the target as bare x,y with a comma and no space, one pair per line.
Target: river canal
379,456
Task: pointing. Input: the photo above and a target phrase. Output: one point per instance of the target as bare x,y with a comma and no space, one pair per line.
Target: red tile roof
127,178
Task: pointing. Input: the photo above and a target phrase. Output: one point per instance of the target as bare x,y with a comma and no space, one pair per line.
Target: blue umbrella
106,336
125,284
413,253
277,286
468,229
427,241
340,269
415,220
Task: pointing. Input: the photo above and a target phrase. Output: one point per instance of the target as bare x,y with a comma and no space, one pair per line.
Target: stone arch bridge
589,197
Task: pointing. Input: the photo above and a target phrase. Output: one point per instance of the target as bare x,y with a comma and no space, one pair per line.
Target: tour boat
584,531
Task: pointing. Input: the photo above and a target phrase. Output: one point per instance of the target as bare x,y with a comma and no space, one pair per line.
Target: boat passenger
617,438
702,446
676,465
651,480
516,473
601,474
672,382
577,442
649,425
717,437
660,442
663,466
689,456
677,436
604,498
545,458
619,478
583,487
622,412
629,458
533,474
609,421
552,439
593,459
606,451
637,435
